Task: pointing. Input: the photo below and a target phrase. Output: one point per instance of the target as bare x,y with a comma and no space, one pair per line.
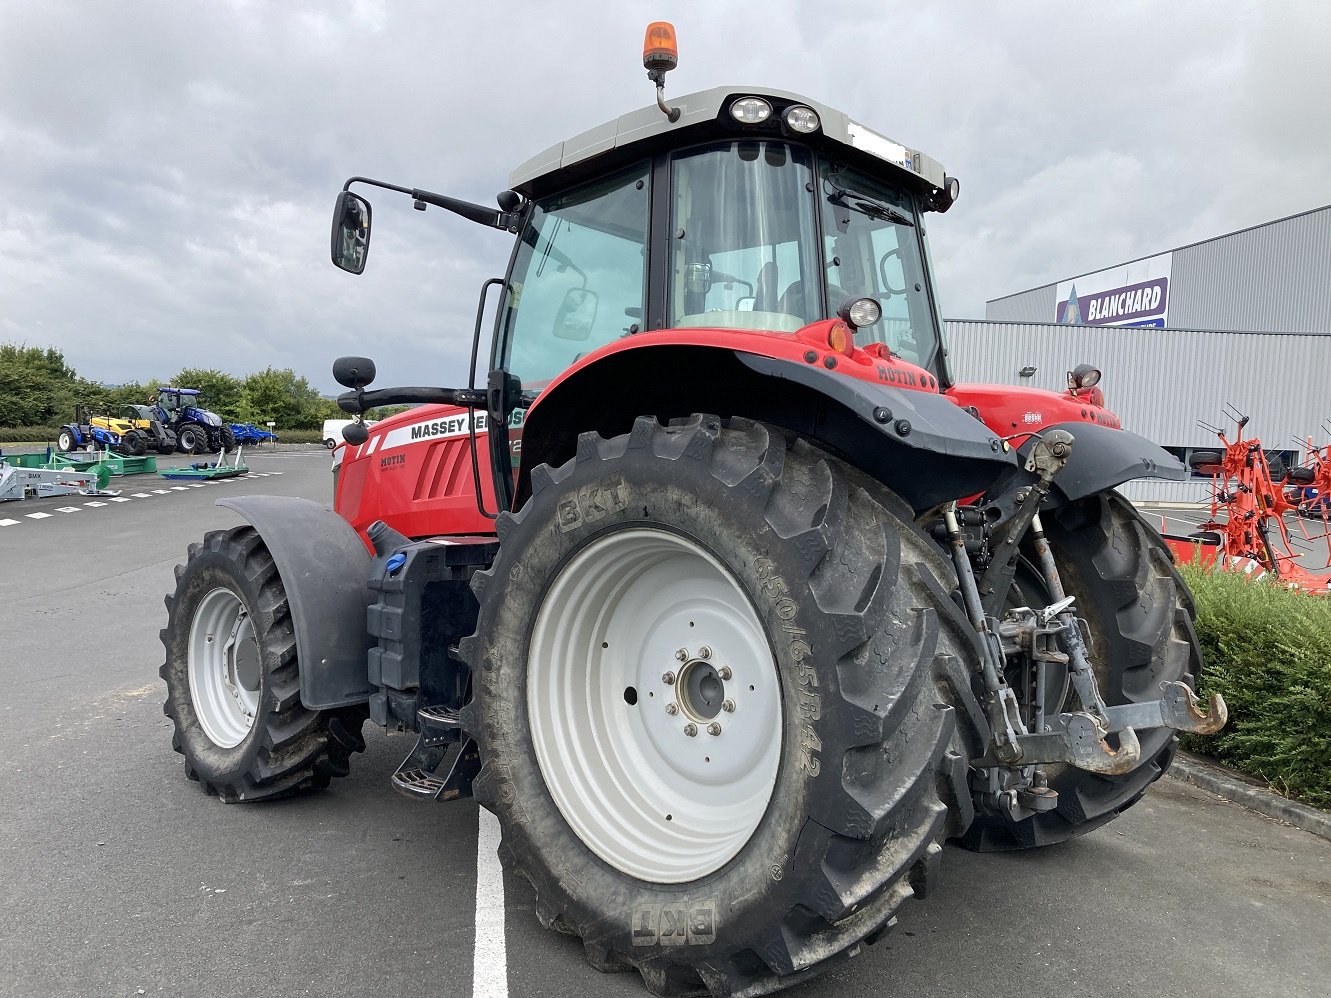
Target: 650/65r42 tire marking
658,595
233,681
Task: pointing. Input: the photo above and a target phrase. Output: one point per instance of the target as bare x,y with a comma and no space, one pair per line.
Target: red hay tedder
1246,531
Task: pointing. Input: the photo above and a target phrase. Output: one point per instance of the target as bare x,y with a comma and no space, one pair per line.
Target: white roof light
750,110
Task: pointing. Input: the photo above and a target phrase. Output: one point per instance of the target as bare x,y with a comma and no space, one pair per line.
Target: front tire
233,682
192,439
1140,615
64,442
133,444
691,567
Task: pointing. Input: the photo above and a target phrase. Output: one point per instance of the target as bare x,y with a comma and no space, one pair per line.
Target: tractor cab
749,221
755,210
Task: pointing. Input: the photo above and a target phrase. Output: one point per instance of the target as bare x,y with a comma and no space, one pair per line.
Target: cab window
579,278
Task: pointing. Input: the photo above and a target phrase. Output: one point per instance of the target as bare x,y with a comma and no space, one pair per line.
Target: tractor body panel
415,473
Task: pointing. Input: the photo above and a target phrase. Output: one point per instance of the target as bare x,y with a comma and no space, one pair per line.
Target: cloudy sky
168,168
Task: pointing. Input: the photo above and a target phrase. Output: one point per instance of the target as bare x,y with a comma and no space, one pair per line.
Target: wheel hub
700,690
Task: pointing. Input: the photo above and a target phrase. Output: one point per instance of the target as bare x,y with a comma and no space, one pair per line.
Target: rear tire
743,861
227,438
233,681
1140,614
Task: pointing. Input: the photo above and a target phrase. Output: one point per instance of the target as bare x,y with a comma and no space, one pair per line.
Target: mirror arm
473,212
362,401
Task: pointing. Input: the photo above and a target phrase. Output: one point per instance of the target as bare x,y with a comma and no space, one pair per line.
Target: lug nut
668,678
713,728
671,709
728,705
690,729
682,655
724,672
704,652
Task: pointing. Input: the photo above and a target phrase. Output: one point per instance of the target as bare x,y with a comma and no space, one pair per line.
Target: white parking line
160,492
489,964
8,523
142,495
197,485
67,509
177,488
37,516
94,505
120,499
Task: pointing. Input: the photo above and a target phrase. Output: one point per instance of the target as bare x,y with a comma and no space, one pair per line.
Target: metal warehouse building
1243,319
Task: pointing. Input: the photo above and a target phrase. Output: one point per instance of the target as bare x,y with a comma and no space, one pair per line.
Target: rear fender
324,567
1103,458
918,443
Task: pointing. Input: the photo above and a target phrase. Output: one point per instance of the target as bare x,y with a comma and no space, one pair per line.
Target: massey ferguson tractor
721,593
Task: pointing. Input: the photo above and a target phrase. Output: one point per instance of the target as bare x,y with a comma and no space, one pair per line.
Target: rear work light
750,110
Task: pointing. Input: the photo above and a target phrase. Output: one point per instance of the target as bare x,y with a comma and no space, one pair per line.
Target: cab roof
705,115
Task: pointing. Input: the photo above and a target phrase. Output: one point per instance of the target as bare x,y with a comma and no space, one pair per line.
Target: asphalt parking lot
120,877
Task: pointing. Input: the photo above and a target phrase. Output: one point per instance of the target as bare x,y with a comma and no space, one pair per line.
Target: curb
1226,783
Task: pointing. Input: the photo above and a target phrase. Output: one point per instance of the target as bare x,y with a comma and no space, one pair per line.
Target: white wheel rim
641,793
223,665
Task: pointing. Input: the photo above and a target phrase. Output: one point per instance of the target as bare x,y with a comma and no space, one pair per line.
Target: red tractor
722,594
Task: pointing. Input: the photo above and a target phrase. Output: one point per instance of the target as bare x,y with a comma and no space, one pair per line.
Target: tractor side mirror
353,372
355,433
577,314
351,232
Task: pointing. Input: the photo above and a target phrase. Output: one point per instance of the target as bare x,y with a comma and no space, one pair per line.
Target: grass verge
1267,651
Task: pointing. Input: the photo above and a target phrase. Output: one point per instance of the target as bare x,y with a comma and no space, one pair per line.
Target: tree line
39,388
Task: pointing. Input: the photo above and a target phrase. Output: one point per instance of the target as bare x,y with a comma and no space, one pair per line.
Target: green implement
202,471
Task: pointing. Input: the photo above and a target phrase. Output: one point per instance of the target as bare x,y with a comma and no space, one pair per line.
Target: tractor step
443,744
417,783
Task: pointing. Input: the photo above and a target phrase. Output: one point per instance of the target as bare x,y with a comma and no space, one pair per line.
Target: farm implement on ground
1246,531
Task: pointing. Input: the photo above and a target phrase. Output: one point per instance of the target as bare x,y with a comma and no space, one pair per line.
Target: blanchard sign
1117,306
1134,294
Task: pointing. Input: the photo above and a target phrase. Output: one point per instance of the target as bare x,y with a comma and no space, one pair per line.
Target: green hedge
1268,652
27,434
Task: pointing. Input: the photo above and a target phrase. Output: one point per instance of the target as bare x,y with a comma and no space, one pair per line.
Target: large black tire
133,444
867,757
191,438
227,438
1140,615
287,748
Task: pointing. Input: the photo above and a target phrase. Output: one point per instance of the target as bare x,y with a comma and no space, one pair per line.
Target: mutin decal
1136,294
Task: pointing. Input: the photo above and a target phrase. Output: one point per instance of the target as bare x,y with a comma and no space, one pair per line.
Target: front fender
1103,458
324,567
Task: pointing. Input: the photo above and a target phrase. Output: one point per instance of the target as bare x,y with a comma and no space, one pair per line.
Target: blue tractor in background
197,430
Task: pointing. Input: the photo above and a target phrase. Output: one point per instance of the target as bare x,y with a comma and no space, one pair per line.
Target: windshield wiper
866,204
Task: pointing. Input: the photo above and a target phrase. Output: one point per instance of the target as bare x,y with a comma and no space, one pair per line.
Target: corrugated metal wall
1161,381
1275,276
1036,305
